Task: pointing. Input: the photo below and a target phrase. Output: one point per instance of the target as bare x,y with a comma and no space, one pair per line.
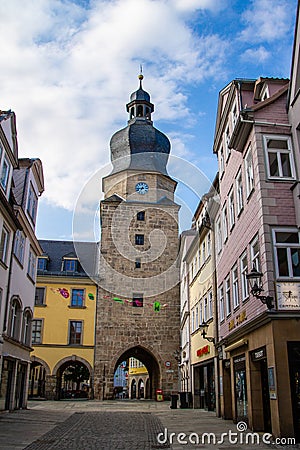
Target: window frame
244,281
139,239
278,152
228,296
255,257
140,216
239,192
288,247
32,203
249,171
19,248
75,304
221,302
74,335
31,268
235,287
4,243
225,223
231,208
34,331
36,296
219,235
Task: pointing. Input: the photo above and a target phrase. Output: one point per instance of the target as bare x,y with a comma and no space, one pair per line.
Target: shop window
287,253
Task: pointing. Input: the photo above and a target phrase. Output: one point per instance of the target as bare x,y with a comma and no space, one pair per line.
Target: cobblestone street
114,425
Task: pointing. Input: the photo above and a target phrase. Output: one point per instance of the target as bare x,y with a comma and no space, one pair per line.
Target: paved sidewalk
124,425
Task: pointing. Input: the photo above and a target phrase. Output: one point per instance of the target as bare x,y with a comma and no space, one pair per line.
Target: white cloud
67,72
266,21
256,55
192,5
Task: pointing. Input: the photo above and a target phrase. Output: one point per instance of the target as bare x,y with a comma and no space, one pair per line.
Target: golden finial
141,76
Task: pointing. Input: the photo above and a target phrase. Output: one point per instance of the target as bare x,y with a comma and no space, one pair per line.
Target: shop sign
239,359
288,296
203,351
258,354
238,320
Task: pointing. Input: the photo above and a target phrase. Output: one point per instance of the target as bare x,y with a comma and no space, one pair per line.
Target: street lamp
254,280
204,328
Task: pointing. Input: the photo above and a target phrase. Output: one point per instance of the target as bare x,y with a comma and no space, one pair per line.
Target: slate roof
56,251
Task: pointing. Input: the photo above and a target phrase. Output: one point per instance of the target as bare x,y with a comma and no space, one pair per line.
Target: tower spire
141,76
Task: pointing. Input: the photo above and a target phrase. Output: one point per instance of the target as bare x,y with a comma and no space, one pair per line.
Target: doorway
294,368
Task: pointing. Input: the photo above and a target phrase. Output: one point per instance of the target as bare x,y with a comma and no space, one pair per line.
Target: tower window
140,215
140,111
139,239
131,113
138,263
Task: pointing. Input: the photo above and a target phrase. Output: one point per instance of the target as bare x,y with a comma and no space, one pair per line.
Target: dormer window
32,203
70,265
265,93
42,263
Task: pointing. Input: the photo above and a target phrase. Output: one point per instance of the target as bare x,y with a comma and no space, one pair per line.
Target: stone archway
69,388
39,371
149,360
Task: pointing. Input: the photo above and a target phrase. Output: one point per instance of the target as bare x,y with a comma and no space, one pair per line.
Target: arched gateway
138,298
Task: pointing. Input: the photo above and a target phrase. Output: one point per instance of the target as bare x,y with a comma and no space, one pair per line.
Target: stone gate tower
138,299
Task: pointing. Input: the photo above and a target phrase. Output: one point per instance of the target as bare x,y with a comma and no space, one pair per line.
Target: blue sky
68,68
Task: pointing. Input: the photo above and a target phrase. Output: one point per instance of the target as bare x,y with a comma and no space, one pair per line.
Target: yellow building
202,305
63,328
138,379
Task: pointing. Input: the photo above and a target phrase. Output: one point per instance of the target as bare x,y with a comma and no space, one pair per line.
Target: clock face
141,187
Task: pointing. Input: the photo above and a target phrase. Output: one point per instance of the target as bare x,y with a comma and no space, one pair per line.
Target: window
15,319
221,161
5,171
225,223
4,244
19,246
287,253
228,296
234,115
203,251
193,321
26,328
39,298
249,173
140,215
75,332
31,265
210,305
219,235
137,300
235,287
254,252
197,318
208,244
221,303
70,265
77,298
205,310
138,263
36,331
201,313
279,157
42,264
231,209
227,140
32,203
244,270
239,192
139,239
